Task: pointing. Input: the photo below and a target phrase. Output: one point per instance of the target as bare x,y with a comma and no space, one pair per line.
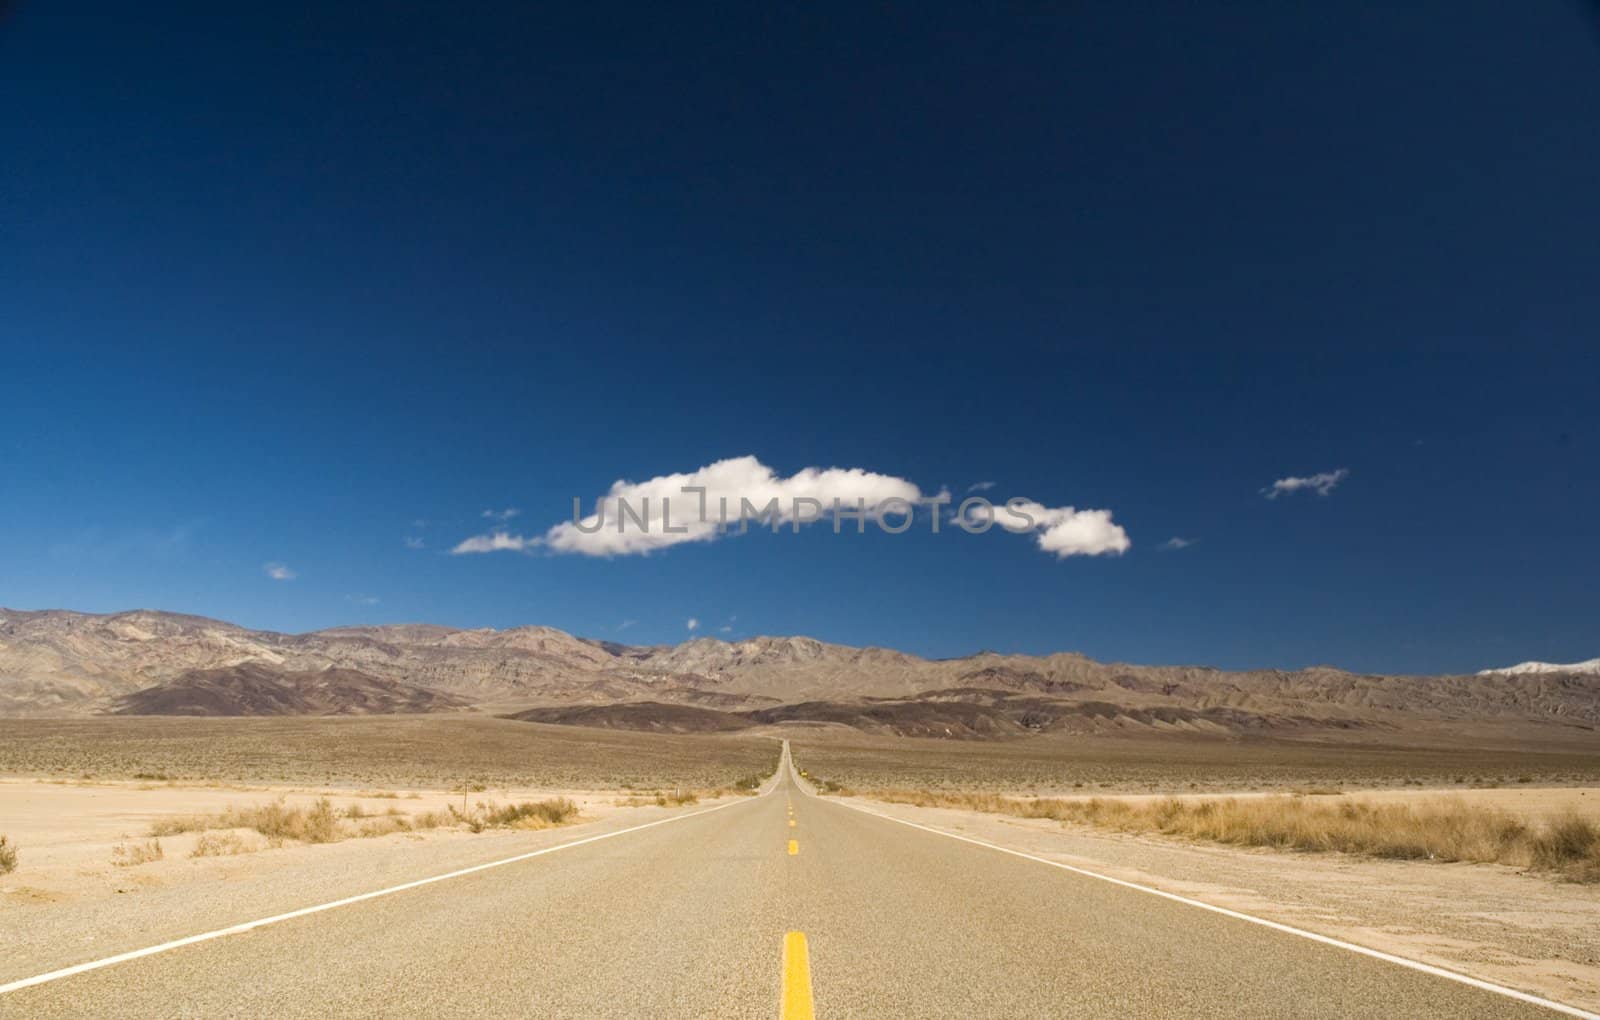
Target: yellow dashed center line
791,823
796,1003
794,847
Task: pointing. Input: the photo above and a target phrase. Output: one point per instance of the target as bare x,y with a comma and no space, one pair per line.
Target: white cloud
497,542
692,623
610,531
1321,484
726,628
1065,531
278,571
1177,543
625,624
637,518
362,600
502,515
414,542
980,486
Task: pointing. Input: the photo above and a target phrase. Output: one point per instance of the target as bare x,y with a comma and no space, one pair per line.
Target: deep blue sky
275,285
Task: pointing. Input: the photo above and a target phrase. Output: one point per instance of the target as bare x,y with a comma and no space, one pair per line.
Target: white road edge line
1426,968
56,975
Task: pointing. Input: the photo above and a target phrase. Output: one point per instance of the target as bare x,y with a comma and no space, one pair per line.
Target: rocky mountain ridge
58,662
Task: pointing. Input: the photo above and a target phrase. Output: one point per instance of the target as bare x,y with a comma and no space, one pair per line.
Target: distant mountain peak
1588,666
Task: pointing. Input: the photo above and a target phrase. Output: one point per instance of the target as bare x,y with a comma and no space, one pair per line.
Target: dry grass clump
278,822
1570,845
1442,830
126,855
220,844
534,814
8,856
675,798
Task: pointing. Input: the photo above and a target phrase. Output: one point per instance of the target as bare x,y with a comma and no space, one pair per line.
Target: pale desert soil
1525,931
67,832
67,902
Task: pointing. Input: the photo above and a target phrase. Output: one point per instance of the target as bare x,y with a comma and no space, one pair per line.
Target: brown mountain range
57,662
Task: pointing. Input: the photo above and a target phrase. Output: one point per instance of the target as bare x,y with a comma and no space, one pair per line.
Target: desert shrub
8,856
383,825
177,824
536,814
219,844
276,821
126,855
1570,845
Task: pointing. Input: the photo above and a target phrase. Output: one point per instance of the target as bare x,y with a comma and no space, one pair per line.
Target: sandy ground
67,832
1525,931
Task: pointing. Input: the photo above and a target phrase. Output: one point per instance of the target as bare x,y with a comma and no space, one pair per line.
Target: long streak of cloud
637,518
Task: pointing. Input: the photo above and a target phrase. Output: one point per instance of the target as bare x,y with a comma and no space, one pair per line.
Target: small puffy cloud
498,541
414,542
502,515
739,483
1321,484
278,571
981,486
692,624
1065,531
1177,543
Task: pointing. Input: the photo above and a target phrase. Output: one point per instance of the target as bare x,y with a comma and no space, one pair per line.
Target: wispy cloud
278,571
625,624
726,628
1177,543
981,486
502,515
363,600
1321,484
414,542
100,544
499,541
692,624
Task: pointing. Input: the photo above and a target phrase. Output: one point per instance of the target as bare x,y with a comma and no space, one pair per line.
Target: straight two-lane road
785,902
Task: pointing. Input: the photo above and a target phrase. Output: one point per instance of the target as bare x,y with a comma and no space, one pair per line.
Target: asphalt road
736,912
